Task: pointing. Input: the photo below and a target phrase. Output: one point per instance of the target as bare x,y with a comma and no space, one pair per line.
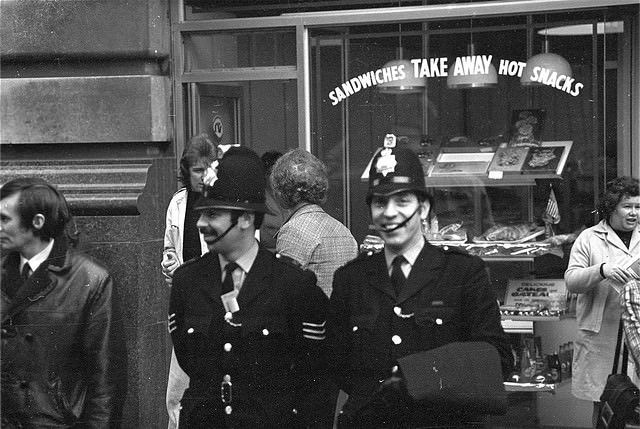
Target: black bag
460,375
620,397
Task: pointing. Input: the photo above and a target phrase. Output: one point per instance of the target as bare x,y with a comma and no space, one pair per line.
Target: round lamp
409,85
552,62
484,80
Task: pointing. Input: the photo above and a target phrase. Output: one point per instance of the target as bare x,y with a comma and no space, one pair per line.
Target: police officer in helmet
246,325
408,298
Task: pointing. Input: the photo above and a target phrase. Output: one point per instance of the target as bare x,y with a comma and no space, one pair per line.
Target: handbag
620,396
461,375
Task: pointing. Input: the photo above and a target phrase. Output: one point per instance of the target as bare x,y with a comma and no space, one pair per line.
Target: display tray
529,237
448,242
510,386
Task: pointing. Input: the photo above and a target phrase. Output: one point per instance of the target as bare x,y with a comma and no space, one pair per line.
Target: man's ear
246,219
424,213
38,221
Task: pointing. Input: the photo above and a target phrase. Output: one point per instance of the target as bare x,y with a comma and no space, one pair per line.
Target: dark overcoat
269,350
446,298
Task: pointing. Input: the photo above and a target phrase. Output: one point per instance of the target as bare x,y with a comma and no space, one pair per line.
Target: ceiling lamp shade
552,63
479,80
409,85
484,80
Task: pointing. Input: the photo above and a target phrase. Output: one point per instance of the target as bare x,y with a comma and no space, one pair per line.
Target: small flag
551,212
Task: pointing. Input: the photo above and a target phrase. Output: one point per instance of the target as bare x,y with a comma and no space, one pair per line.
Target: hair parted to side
616,190
298,176
37,196
198,147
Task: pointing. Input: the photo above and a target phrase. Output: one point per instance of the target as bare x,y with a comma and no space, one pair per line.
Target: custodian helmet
396,169
235,182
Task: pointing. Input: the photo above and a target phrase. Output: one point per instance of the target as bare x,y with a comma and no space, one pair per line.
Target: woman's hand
618,273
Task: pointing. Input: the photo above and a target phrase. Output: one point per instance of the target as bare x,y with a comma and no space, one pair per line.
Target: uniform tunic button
397,310
190,331
445,248
278,255
228,409
227,347
265,331
438,321
354,329
396,339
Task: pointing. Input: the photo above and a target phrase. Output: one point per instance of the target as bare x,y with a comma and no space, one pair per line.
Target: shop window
348,113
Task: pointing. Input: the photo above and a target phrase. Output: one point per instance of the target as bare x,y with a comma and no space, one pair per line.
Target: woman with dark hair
597,273
183,241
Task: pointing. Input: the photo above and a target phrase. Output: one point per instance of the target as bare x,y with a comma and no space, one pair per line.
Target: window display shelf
529,387
469,180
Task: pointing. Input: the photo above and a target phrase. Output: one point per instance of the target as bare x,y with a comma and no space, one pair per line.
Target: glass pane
208,51
352,110
245,113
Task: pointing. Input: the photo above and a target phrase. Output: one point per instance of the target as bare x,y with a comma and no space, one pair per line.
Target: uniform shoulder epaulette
192,260
288,260
362,257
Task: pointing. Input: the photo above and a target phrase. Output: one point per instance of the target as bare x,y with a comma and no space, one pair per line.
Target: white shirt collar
245,262
410,255
38,259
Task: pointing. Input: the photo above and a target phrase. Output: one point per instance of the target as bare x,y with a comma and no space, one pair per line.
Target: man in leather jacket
64,360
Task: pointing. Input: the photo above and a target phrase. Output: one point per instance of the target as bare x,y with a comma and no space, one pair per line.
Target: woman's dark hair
616,190
198,147
37,196
269,158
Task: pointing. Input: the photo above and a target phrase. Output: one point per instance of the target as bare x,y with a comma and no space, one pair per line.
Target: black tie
26,272
227,283
397,276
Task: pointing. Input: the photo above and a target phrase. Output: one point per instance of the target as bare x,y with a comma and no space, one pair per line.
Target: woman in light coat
597,273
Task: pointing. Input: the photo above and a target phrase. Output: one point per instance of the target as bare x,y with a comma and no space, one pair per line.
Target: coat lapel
41,282
256,281
425,271
378,276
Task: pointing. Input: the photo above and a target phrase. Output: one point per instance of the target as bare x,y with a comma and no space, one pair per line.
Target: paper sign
534,291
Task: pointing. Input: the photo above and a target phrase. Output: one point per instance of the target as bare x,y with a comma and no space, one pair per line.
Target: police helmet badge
395,169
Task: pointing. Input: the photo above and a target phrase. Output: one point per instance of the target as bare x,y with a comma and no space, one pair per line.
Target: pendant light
410,84
480,80
554,63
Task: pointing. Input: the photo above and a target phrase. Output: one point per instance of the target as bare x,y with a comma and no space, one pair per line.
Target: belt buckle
225,390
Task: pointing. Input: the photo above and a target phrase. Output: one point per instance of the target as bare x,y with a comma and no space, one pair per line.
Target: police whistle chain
400,225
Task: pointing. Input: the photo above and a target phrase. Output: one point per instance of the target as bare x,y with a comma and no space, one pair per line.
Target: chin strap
400,225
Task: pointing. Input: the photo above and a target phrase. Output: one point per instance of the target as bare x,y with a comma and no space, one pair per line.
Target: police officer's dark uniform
446,298
248,368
